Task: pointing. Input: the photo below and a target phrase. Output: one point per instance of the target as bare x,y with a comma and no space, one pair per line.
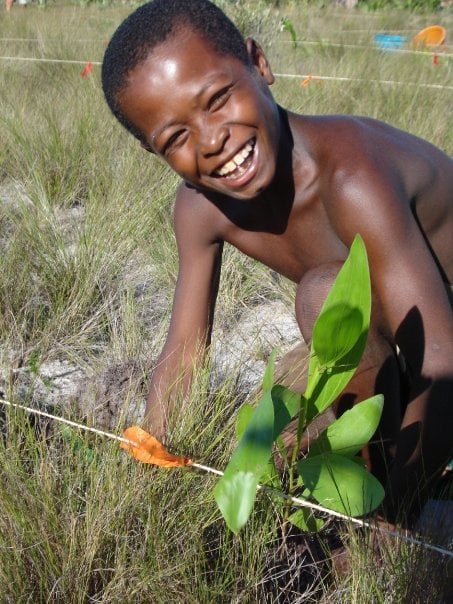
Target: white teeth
244,153
228,167
237,160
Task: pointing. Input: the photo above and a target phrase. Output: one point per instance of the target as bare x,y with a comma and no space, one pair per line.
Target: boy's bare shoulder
352,140
373,177
363,152
372,135
195,217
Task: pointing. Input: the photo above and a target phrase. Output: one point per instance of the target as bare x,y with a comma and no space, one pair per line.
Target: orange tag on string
87,69
148,449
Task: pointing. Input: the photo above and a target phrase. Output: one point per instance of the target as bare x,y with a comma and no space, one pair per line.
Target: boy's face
208,115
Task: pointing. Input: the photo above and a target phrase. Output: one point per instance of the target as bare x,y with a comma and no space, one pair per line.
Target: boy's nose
212,140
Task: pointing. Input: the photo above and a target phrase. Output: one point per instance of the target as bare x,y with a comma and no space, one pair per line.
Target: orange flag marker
87,69
148,449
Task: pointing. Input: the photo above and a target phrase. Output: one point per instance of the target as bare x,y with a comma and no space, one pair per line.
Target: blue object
389,41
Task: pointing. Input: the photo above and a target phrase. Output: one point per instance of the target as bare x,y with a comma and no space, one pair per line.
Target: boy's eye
219,98
175,139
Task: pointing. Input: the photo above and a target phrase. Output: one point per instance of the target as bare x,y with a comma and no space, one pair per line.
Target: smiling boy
292,191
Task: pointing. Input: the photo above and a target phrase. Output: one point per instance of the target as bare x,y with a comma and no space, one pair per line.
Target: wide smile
238,165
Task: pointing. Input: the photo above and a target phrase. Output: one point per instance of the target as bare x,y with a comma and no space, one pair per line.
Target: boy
292,191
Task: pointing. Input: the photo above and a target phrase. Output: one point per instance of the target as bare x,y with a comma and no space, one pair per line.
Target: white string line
69,422
280,75
50,60
52,38
100,40
347,79
314,506
436,50
297,501
320,42
378,31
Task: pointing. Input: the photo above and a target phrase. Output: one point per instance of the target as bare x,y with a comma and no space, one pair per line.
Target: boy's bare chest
303,240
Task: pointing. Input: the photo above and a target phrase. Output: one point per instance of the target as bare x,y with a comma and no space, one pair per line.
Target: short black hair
149,26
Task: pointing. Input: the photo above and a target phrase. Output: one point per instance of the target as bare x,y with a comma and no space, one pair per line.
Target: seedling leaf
340,484
349,434
337,347
304,519
235,498
250,458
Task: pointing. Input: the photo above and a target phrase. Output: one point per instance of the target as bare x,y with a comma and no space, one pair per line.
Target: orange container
434,35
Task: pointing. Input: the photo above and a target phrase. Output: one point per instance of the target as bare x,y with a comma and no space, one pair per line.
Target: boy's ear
259,60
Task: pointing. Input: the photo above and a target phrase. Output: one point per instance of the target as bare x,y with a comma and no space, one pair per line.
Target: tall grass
83,523
88,265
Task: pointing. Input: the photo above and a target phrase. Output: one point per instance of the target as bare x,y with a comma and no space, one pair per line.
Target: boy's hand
154,423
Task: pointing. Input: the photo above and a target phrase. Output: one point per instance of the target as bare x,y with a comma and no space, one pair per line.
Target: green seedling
331,473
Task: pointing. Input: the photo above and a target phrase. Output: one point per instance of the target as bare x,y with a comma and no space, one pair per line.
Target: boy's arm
407,283
192,312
